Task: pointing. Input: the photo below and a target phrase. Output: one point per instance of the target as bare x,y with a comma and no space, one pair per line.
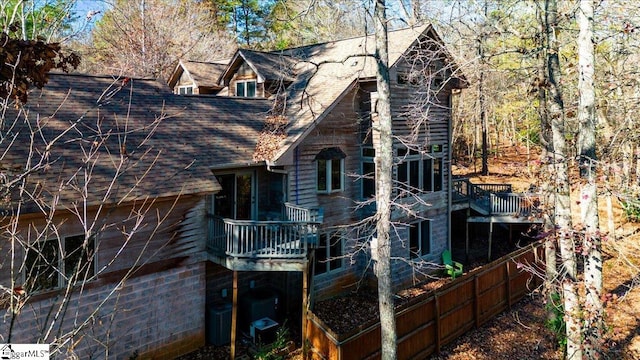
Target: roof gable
203,74
268,66
328,71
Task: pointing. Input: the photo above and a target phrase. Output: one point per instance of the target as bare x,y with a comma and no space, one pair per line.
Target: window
420,238
185,90
368,173
328,253
46,269
246,88
418,173
330,170
410,78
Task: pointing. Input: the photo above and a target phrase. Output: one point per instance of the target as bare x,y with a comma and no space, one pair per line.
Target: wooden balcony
263,245
495,202
294,212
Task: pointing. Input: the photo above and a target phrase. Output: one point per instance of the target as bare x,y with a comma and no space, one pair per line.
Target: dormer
257,74
197,77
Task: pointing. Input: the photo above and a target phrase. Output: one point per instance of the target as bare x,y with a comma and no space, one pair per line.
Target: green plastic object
453,268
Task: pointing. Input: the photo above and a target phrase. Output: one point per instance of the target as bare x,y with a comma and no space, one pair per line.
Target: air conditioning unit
263,330
219,324
257,304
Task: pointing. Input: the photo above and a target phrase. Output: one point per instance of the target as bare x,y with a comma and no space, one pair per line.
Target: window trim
185,87
246,88
367,159
328,178
434,155
61,262
420,253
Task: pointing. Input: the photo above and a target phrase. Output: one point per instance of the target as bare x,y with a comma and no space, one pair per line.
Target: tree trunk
562,205
589,193
384,163
482,100
547,188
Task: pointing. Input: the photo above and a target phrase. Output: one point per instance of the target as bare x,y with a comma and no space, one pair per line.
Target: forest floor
519,333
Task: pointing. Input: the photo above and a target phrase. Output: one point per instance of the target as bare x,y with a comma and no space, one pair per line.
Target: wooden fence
435,319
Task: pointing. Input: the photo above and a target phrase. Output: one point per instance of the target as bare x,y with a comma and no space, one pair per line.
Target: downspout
449,174
296,158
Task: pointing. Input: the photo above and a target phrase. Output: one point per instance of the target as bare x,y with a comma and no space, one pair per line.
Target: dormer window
185,90
246,88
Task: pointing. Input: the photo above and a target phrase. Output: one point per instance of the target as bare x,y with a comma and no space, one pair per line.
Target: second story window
330,170
368,173
55,262
246,88
418,173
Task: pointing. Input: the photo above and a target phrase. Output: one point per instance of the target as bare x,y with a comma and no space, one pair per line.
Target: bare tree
561,190
147,39
592,247
384,185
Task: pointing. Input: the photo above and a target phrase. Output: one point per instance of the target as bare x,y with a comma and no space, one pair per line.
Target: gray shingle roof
268,65
168,143
206,73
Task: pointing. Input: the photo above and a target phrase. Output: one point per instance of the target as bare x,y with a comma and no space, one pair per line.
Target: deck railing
261,239
298,213
480,193
463,189
513,204
495,199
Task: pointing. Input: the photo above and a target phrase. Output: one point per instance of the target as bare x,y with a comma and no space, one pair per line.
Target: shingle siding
147,315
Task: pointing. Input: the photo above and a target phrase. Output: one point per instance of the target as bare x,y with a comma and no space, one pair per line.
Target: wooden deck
495,204
248,245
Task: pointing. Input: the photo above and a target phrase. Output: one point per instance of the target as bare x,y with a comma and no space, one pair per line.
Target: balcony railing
298,213
514,204
463,189
495,199
261,239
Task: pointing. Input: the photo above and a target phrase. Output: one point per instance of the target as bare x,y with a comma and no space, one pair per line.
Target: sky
85,7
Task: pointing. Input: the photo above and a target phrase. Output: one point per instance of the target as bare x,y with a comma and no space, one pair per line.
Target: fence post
476,295
508,283
437,304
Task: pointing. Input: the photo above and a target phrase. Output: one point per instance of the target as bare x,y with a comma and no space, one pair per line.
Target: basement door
236,200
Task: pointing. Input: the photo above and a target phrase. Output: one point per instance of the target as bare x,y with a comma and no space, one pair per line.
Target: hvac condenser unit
219,324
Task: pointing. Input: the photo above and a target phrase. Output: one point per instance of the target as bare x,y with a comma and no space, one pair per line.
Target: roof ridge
99,76
425,25
212,62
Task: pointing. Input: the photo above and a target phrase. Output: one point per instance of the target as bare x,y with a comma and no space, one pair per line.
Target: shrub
555,320
631,210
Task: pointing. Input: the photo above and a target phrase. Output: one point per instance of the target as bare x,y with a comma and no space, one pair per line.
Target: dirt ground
520,333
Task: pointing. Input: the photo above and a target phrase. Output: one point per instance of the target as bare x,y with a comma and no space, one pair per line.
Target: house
257,195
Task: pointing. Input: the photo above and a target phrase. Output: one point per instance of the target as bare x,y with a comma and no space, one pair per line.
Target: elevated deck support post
234,316
490,238
305,285
466,242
